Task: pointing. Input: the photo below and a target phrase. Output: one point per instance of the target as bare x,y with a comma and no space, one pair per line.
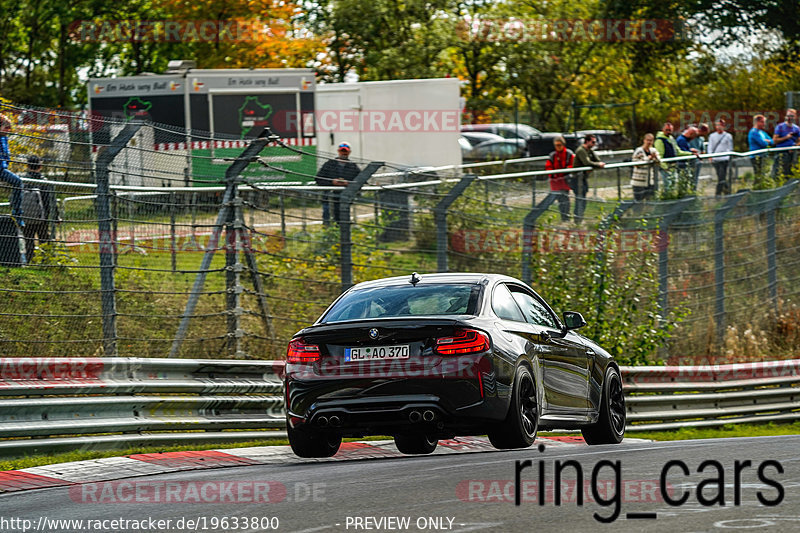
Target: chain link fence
156,242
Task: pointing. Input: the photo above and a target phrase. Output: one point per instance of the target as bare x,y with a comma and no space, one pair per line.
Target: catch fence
158,249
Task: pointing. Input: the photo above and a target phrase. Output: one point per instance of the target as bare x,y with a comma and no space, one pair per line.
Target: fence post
440,219
719,260
527,233
106,238
173,252
283,213
233,273
345,200
663,253
115,225
231,179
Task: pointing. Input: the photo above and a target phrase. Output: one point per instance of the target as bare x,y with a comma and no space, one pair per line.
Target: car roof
501,140
482,135
428,279
500,126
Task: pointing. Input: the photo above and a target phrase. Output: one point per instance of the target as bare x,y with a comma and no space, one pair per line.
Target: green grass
729,430
84,455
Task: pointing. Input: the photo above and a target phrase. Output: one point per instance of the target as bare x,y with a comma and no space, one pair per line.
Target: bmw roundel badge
373,333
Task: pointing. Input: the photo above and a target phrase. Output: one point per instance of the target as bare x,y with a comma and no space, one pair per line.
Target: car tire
415,444
310,444
519,428
610,427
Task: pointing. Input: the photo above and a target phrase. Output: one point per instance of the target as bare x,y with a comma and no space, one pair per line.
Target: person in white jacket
718,142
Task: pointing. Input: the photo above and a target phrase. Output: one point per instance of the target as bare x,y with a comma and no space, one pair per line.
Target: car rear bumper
368,407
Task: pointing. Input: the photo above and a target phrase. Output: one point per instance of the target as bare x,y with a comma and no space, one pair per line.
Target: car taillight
464,341
300,352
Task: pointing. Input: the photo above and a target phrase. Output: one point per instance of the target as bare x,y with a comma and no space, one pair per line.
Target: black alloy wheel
415,444
312,443
610,427
519,428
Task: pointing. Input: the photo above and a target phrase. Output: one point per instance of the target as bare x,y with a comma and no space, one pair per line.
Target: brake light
300,352
464,341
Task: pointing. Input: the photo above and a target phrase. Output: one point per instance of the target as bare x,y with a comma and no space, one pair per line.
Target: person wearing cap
8,176
721,142
338,172
37,200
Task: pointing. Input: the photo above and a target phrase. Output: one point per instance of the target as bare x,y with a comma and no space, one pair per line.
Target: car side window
504,305
535,311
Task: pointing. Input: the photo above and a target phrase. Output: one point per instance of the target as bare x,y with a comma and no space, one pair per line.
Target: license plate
369,353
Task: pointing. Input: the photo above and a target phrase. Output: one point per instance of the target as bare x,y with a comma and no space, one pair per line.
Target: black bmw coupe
431,357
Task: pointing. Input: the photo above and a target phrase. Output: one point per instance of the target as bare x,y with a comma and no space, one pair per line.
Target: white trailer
409,123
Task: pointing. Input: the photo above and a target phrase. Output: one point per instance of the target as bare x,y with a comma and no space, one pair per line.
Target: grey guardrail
673,397
52,404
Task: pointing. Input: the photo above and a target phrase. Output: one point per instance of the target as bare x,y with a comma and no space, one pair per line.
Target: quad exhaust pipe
425,416
331,421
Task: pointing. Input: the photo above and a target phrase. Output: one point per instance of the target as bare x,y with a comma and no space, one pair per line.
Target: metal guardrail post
528,226
107,240
719,260
440,219
345,201
231,178
663,254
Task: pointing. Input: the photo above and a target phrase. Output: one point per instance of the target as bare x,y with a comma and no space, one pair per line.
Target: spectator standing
37,201
683,141
584,157
667,147
686,137
8,176
337,172
758,139
699,144
718,142
560,158
643,176
786,134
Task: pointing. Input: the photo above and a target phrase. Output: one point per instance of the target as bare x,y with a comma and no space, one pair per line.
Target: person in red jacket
561,157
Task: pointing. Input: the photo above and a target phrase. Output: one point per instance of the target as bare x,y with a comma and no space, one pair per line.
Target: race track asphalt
742,483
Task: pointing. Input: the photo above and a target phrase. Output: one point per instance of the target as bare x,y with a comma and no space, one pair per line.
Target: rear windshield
405,300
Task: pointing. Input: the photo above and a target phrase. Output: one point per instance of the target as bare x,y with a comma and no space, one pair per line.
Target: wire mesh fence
149,241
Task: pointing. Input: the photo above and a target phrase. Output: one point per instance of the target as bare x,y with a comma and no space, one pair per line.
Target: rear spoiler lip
439,320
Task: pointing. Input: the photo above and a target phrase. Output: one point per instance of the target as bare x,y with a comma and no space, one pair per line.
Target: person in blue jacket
8,176
758,139
786,134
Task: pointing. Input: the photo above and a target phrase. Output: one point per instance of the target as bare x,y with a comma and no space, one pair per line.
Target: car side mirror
573,320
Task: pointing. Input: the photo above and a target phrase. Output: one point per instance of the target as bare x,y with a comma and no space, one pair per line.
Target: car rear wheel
415,444
610,427
519,428
313,443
